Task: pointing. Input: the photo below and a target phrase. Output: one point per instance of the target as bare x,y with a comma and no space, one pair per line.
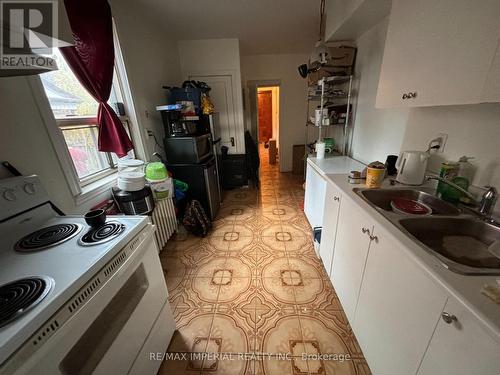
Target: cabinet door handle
409,95
448,318
336,199
373,238
365,230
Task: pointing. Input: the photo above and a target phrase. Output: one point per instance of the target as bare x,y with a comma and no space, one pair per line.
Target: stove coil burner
19,296
47,237
102,234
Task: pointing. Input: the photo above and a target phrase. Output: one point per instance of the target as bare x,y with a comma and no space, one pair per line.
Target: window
75,112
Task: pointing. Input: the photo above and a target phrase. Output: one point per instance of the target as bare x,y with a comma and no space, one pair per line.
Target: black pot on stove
139,202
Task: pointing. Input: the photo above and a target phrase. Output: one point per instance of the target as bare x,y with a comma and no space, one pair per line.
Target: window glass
67,97
75,112
82,146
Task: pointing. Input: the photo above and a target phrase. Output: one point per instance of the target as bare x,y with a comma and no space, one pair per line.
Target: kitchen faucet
487,203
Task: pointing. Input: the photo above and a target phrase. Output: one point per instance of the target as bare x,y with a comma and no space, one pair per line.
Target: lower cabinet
460,345
330,221
398,308
351,249
405,323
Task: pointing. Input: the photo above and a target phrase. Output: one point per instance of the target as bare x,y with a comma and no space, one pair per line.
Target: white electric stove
74,300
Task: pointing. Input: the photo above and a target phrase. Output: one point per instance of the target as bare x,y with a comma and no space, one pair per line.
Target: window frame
91,122
98,186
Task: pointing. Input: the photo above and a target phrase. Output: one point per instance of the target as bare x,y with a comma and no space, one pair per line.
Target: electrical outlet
441,139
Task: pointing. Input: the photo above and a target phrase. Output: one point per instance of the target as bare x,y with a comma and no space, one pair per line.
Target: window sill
96,188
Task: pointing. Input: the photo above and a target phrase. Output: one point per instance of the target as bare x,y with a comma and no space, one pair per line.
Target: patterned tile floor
254,285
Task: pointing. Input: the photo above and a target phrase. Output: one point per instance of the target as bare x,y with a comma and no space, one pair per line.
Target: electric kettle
411,167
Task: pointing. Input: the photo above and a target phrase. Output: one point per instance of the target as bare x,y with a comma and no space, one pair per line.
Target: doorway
268,124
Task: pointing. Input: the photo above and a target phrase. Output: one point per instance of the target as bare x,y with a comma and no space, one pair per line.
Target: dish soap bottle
466,169
463,178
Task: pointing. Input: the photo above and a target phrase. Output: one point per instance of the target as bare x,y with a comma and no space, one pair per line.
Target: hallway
254,285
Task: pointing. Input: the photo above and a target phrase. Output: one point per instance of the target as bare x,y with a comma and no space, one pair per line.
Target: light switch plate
442,142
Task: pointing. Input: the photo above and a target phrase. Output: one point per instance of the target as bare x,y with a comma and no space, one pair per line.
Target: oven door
107,334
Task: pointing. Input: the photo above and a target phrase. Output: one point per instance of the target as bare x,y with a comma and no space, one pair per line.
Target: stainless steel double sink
462,242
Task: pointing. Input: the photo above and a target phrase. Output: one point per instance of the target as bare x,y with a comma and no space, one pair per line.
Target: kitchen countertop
465,288
335,165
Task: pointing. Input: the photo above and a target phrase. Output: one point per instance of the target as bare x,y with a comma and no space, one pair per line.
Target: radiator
165,221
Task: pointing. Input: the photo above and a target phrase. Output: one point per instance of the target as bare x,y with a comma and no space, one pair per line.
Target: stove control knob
29,188
9,195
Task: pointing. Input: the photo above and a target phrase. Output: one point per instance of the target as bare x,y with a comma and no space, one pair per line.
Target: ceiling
262,26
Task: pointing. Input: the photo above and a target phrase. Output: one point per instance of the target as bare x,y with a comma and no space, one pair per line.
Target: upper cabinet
441,53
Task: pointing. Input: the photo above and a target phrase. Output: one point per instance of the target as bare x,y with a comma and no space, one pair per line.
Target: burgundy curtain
92,60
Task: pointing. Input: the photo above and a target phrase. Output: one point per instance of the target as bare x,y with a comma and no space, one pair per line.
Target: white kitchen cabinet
398,308
314,199
351,249
440,53
461,347
330,221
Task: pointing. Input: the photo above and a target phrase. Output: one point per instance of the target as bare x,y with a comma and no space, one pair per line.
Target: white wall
150,62
216,57
282,69
349,19
473,130
336,12
378,132
213,55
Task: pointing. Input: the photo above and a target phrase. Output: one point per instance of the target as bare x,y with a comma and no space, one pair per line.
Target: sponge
492,291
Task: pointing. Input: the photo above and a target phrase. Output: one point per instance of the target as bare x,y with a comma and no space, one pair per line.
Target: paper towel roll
320,150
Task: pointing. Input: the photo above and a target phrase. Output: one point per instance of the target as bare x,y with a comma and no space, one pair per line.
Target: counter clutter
410,314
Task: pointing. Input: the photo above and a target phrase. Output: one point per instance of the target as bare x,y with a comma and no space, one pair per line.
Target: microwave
182,150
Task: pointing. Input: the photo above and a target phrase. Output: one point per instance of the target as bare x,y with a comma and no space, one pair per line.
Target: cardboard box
341,56
340,62
298,159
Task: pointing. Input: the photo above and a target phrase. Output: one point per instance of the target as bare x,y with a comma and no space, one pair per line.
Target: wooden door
265,108
223,100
